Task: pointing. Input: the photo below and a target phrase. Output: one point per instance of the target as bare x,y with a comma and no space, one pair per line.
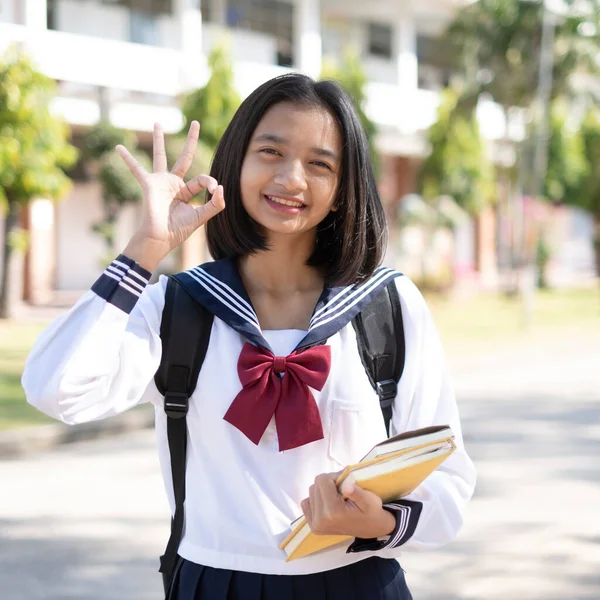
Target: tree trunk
10,263
597,243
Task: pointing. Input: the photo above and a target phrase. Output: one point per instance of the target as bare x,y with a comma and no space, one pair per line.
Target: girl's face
291,170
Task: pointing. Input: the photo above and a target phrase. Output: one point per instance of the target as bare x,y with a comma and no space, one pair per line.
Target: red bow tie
277,385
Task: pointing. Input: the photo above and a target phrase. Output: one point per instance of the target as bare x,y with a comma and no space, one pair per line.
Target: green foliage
103,137
202,157
214,105
589,198
567,165
119,186
34,147
457,165
351,75
498,44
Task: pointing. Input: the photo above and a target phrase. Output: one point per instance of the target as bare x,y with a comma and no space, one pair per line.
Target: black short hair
351,241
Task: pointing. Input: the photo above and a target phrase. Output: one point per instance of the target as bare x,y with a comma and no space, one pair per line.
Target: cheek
254,175
328,191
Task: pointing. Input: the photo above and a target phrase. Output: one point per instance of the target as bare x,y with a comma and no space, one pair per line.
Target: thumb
357,495
214,206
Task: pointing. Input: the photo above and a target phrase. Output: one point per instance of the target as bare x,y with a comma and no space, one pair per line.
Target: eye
271,151
320,163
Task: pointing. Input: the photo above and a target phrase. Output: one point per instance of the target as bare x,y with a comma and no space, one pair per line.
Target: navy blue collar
217,286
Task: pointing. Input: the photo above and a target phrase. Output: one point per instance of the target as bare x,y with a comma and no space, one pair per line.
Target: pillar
35,14
407,67
307,37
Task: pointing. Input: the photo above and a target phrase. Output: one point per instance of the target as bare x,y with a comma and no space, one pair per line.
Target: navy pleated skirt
374,578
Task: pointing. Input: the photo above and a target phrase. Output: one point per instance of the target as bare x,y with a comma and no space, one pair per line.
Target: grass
479,322
467,325
16,339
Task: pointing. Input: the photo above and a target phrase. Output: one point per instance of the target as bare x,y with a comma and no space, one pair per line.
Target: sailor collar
218,287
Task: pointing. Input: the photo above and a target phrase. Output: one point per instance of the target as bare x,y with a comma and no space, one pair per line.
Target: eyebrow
276,139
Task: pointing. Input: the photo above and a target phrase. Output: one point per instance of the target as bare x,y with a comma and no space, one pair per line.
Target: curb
29,440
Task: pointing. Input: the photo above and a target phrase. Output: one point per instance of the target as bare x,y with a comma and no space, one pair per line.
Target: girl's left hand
357,513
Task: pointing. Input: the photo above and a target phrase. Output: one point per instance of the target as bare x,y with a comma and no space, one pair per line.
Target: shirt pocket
354,428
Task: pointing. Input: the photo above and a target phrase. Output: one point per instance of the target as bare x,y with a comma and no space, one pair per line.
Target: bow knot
279,364
265,394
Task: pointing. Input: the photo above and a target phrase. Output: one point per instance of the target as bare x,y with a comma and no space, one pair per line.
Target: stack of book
392,469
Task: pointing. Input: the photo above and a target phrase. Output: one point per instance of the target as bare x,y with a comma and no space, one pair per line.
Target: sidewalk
87,521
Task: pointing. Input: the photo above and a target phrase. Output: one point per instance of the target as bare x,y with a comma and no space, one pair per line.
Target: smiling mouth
284,202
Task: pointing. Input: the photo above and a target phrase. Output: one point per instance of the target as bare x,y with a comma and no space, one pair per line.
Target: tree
567,163
351,75
588,194
457,165
119,188
213,105
497,43
34,150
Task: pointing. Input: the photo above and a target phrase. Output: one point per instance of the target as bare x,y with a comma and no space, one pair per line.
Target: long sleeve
98,359
433,514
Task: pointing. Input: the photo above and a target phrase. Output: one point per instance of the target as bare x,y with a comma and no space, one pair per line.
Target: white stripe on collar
351,293
226,295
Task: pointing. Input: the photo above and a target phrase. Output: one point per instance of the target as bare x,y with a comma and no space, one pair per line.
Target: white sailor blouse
244,485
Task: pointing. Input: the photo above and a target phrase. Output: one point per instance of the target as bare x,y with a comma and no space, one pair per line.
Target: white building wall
79,251
93,18
243,45
7,11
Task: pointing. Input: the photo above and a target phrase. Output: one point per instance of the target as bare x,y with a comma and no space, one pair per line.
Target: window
272,17
51,14
380,40
143,27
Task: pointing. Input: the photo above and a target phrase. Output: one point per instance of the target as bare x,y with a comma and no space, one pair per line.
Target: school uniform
247,473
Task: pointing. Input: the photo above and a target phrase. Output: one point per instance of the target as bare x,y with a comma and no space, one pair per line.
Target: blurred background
484,125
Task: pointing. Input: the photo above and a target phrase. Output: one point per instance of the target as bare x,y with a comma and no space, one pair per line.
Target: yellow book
392,469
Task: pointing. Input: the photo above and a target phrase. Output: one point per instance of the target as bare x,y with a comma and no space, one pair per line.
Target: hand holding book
349,504
353,511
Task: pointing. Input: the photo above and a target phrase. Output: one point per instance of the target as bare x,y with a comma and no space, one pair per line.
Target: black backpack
185,334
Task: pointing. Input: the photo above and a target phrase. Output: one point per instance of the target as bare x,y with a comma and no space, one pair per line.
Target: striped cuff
407,515
122,283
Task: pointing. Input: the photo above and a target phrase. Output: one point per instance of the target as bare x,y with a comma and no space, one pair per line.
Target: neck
282,269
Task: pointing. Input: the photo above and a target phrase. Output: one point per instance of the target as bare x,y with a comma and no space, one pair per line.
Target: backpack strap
185,333
380,337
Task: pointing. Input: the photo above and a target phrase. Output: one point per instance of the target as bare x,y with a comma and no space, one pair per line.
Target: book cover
391,476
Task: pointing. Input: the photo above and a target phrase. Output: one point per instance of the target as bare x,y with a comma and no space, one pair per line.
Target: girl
296,254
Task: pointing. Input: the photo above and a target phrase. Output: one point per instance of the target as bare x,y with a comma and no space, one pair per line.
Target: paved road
88,520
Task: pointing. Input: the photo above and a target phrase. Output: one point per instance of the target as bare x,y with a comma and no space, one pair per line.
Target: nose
291,176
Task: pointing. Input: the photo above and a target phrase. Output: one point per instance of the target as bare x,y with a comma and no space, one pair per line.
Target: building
127,60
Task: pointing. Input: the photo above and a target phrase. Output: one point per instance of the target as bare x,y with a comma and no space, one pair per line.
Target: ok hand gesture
168,218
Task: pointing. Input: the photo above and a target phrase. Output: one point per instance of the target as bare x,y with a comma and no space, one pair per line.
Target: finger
315,506
187,155
159,155
134,166
361,498
196,185
306,509
331,501
213,207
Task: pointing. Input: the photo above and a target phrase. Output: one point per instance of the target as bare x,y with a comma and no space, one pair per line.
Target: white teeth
285,202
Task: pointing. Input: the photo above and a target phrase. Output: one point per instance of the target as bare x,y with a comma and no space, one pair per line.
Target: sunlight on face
291,170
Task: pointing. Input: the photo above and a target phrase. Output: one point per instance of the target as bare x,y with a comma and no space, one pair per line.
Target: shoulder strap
185,334
380,336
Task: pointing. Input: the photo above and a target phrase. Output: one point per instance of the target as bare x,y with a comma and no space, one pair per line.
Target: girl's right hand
168,218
